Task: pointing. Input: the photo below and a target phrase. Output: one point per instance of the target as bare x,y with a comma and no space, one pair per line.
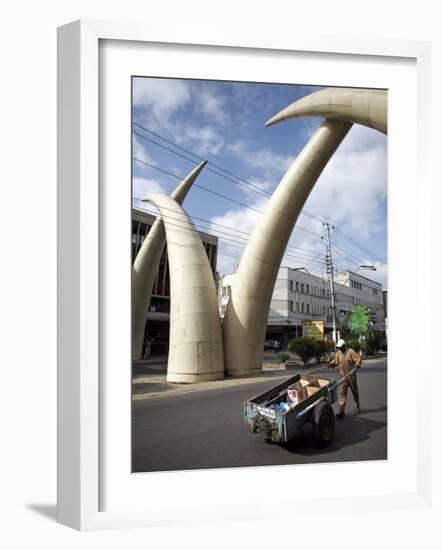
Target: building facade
158,318
353,289
300,296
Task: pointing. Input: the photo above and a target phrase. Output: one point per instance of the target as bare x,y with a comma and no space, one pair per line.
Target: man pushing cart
346,360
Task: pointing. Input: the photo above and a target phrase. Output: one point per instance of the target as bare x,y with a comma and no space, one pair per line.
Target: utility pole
330,271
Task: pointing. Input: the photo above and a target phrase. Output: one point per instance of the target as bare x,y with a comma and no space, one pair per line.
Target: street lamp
362,266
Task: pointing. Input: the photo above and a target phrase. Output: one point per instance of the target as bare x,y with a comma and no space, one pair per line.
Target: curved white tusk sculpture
247,312
195,345
366,107
145,266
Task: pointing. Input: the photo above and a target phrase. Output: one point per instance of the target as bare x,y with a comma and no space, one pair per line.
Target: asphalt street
205,429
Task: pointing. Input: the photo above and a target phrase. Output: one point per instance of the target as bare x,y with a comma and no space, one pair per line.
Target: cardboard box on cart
297,392
305,388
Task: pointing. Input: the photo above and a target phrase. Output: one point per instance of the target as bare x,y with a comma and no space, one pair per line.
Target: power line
228,238
238,179
217,194
344,252
261,192
308,254
298,256
355,243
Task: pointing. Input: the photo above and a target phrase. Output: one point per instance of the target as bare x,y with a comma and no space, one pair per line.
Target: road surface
205,429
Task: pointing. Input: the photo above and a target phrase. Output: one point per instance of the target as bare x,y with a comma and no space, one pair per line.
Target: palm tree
359,320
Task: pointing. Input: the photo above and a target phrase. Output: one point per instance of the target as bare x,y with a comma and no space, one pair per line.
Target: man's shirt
346,361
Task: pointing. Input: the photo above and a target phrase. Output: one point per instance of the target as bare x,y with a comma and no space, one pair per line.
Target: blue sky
224,123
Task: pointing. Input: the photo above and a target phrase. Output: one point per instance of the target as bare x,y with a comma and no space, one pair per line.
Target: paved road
205,429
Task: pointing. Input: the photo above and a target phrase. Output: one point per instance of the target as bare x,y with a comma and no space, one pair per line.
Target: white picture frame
80,394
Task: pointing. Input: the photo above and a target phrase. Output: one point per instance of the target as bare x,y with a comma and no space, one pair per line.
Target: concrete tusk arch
361,106
245,321
195,346
145,266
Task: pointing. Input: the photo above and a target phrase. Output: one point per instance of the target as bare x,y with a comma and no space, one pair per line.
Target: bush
327,346
344,329
305,347
372,343
354,344
283,357
321,348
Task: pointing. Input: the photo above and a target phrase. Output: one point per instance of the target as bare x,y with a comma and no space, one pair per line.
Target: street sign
314,329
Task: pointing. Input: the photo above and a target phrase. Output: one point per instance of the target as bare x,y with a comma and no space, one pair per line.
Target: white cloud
244,220
205,141
143,187
351,190
139,152
263,160
350,193
160,97
380,275
211,104
228,260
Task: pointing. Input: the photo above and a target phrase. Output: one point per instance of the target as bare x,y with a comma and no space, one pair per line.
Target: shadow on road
349,431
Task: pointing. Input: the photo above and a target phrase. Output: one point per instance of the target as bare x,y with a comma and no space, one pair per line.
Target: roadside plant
372,343
344,329
354,344
283,357
322,348
304,346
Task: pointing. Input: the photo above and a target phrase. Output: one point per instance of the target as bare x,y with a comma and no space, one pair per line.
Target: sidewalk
149,378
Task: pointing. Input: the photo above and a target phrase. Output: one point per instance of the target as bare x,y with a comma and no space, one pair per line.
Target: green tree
304,346
359,320
344,328
373,343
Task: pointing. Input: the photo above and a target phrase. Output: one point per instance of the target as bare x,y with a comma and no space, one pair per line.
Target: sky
224,122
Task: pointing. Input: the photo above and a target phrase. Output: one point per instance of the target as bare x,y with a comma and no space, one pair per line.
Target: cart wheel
323,420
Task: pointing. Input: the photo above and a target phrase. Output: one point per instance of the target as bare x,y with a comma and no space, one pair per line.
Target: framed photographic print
233,276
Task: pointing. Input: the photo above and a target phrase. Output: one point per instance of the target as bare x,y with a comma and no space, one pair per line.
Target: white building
353,289
300,296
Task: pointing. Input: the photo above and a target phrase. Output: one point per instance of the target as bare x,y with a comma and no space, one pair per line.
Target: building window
375,292
296,287
302,307
307,289
308,308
